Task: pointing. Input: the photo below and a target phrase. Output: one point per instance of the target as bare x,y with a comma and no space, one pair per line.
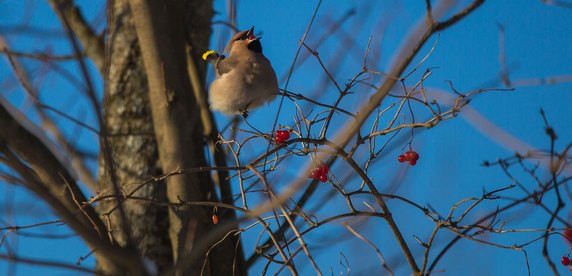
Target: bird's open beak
250,34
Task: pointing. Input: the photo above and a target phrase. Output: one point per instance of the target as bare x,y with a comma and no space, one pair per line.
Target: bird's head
244,41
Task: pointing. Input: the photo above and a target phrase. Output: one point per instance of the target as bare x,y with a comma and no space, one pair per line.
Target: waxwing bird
245,79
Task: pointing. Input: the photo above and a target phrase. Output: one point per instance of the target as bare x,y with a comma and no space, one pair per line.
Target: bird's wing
226,65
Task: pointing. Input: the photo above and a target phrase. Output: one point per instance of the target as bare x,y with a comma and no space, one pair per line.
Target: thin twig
383,263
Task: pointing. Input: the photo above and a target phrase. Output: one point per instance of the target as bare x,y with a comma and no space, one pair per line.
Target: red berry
412,162
284,134
401,158
320,172
281,136
215,219
568,236
408,155
414,156
315,174
565,261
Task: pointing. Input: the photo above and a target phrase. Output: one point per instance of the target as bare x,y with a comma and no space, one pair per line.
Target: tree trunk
127,115
154,127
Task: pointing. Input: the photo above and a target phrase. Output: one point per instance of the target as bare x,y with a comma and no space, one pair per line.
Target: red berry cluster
281,136
320,172
410,156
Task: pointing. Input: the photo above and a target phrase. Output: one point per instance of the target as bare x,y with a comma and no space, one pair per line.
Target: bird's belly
232,93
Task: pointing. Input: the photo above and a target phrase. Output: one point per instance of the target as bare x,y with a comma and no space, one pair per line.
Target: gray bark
153,131
127,114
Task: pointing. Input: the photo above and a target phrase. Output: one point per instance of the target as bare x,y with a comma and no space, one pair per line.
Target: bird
245,79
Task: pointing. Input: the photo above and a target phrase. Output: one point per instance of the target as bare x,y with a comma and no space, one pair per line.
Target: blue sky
538,40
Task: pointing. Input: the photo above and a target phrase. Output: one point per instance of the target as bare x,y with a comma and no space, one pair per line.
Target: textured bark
177,127
127,114
154,131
